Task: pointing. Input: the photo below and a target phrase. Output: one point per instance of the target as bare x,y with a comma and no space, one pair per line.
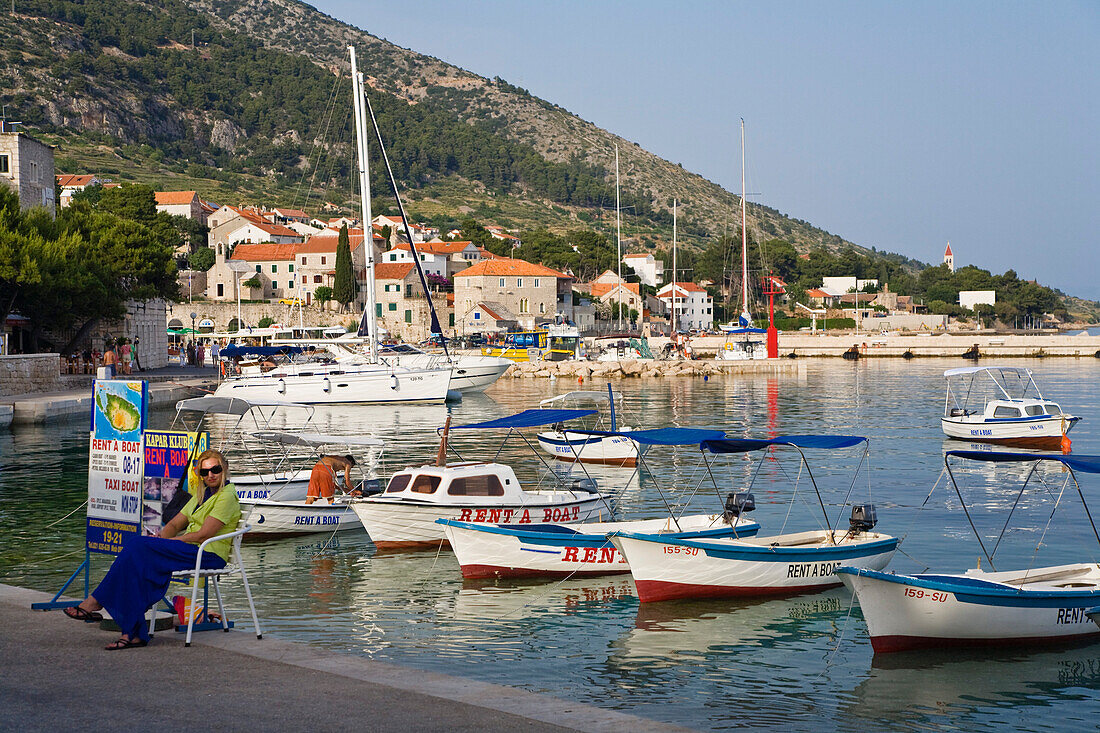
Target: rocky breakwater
647,368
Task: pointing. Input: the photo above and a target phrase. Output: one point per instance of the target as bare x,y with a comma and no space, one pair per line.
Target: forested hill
257,108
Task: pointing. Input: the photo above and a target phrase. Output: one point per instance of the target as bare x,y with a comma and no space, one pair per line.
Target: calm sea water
798,663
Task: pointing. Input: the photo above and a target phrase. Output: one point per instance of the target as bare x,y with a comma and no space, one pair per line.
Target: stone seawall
917,345
653,368
24,373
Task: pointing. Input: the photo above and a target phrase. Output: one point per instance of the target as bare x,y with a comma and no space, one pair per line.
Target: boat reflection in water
678,632
924,689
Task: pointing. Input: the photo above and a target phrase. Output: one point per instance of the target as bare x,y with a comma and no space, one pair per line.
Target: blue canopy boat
980,607
561,550
668,567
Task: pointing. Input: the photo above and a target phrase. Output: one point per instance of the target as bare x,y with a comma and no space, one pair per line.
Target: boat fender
280,386
863,519
395,384
326,385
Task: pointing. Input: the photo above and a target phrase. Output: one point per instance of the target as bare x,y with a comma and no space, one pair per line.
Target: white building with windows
650,270
440,258
694,306
26,166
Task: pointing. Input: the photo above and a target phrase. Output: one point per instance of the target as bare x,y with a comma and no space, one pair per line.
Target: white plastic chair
234,567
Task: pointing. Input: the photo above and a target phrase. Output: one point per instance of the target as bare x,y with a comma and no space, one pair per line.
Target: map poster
166,454
115,464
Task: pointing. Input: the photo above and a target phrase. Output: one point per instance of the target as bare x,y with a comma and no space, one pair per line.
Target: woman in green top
139,576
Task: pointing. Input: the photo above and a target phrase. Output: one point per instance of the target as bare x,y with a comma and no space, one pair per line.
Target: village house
488,317
285,216
439,258
401,305
629,294
534,293
317,263
650,271
26,167
181,203
694,306
72,184
272,264
249,228
497,232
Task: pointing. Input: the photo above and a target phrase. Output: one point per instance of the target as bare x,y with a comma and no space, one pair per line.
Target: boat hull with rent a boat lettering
666,568
558,550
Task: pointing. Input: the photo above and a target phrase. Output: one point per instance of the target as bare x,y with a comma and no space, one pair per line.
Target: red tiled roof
328,240
393,270
267,252
292,213
507,266
815,293
486,254
687,287
66,181
601,289
174,198
435,248
947,252
489,310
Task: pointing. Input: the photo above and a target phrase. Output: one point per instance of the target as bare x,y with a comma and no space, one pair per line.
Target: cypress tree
345,289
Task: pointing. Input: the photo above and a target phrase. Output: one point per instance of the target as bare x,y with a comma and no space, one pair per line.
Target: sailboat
740,344
325,380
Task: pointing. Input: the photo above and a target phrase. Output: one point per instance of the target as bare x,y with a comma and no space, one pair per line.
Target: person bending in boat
322,480
139,576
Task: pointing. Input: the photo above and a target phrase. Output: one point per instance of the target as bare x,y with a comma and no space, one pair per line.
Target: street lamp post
193,317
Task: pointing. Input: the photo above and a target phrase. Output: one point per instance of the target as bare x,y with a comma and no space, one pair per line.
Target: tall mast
674,202
365,203
744,238
619,238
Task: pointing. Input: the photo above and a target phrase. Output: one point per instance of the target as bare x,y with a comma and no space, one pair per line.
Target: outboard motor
585,484
737,504
864,518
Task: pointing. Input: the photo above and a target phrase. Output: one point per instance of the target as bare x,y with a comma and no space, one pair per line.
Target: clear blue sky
896,125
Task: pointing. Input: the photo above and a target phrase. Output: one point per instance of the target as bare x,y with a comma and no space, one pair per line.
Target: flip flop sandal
121,643
79,614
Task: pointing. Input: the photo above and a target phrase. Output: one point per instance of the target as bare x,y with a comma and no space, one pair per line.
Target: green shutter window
408,316
291,267
397,288
393,306
274,268
451,320
378,309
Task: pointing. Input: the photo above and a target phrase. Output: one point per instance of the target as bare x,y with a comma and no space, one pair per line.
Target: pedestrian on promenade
200,354
137,361
191,352
110,359
124,355
140,575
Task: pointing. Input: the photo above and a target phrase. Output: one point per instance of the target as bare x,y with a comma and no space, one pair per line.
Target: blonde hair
207,454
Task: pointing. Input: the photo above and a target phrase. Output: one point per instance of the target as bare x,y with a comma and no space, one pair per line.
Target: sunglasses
213,469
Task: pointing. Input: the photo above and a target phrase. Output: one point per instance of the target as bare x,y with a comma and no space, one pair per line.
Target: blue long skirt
140,575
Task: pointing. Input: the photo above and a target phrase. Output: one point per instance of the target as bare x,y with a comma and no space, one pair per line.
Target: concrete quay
58,674
953,344
166,387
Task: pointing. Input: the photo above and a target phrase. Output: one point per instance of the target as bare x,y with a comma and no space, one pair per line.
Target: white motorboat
469,372
609,448
1014,413
274,502
620,347
988,608
503,550
665,568
405,514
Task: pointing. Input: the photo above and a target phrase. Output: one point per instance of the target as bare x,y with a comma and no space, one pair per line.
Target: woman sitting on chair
139,576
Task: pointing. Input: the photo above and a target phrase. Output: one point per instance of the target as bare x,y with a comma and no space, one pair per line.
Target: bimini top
661,436
233,350
973,369
528,419
743,329
318,439
228,405
745,445
1084,464
596,396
